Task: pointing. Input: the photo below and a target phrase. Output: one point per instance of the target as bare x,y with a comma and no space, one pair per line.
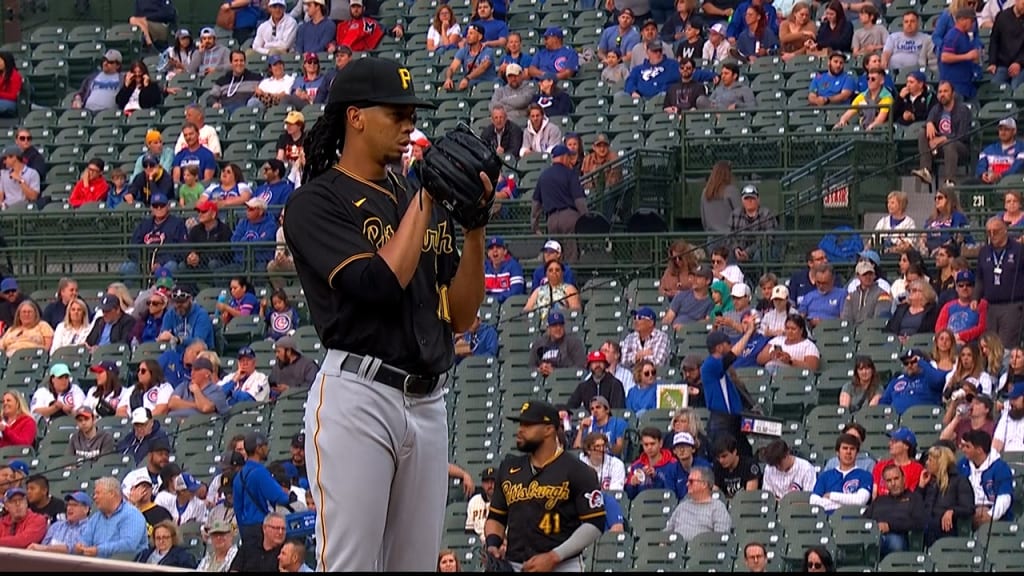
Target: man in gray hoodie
210,58
539,135
730,94
89,441
514,96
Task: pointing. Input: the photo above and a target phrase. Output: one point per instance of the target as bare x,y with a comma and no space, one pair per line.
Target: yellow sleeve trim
594,515
346,262
496,511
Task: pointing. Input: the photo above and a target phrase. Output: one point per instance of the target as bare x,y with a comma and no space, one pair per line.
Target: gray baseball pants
377,461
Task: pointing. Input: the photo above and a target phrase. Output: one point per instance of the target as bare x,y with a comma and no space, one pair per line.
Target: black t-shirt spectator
290,146
256,559
54,509
732,481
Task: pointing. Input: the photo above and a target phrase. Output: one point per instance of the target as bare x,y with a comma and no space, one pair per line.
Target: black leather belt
397,379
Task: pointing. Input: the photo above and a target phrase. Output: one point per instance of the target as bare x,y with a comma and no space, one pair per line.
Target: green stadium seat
47,33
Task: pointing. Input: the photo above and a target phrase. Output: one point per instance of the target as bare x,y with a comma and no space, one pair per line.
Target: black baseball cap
488,473
373,80
536,412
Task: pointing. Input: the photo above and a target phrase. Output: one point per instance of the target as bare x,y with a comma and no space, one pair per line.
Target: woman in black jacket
166,549
140,91
918,314
948,496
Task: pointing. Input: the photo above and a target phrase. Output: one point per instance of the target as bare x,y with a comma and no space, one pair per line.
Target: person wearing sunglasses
644,396
920,384
818,559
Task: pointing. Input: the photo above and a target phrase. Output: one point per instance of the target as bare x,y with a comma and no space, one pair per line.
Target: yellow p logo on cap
406,77
526,405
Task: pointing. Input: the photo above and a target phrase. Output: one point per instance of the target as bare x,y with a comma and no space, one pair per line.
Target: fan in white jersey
784,472
479,504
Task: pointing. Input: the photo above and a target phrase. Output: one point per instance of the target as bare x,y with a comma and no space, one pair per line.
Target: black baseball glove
450,172
493,564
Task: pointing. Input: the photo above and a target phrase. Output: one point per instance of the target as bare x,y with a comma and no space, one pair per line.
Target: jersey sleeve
324,233
589,498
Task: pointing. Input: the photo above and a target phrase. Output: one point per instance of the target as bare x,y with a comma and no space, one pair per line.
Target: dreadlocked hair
325,141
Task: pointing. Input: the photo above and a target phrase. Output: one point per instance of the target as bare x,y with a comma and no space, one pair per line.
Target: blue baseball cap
186,482
918,75
646,313
1018,391
163,272
275,59
496,241
12,492
872,256
554,31
905,435
556,319
80,497
246,352
965,276
8,285
560,150
150,161
158,198
18,466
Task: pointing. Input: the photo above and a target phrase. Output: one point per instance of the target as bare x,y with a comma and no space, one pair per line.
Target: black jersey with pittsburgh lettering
334,226
541,510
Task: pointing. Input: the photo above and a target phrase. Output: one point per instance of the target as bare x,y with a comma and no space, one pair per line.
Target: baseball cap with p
373,81
536,412
488,474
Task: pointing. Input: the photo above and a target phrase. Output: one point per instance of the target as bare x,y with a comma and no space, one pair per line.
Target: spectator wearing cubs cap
598,383
200,395
276,35
555,58
19,526
964,316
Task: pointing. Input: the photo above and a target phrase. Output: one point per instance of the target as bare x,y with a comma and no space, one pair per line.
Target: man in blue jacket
655,75
158,233
920,384
258,226
255,491
276,188
1001,158
186,322
503,275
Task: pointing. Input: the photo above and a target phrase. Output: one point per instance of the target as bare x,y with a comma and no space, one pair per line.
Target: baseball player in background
547,503
386,287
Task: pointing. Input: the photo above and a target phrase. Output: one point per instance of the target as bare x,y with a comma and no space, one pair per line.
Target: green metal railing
95,265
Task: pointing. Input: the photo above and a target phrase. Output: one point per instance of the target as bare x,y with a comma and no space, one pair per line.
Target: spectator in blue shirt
552,251
479,340
614,520
474,62
194,154
258,226
958,59
621,38
255,490
836,86
116,528
920,384
1001,158
495,30
738,24
186,322
722,397
503,275
201,395
63,535
317,33
276,189
826,302
555,58
990,476
655,75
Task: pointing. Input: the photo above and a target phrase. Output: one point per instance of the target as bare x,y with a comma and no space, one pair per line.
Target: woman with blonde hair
682,261
17,426
992,352
720,198
797,33
944,356
948,496
888,239
968,374
643,396
28,331
75,327
918,314
688,420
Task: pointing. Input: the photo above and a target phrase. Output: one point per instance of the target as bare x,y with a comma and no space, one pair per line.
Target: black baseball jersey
732,481
541,510
334,226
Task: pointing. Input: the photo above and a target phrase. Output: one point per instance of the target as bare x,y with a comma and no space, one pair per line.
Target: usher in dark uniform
376,423
541,508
